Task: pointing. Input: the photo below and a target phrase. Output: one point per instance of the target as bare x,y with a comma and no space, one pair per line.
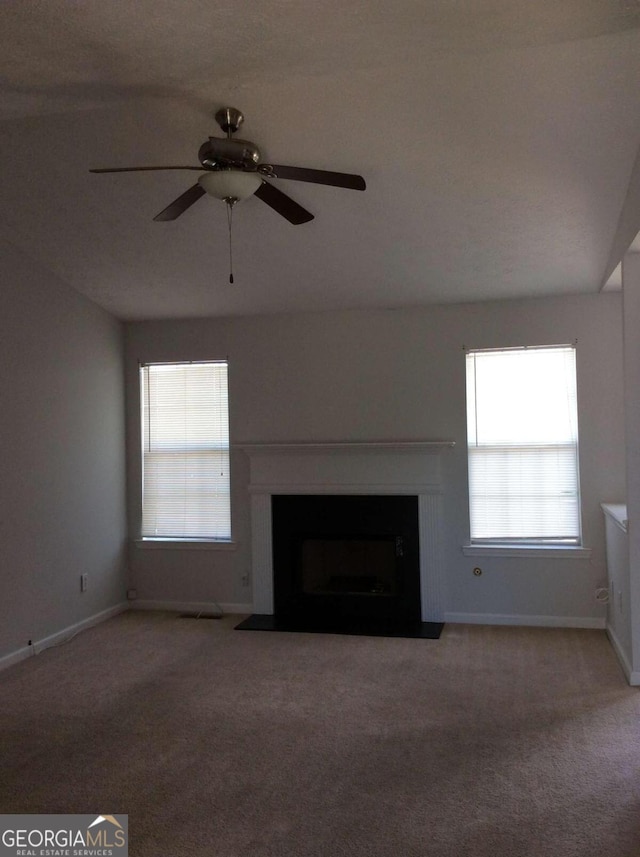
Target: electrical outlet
84,582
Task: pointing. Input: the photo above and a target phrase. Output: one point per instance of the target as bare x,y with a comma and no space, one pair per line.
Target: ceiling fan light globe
232,185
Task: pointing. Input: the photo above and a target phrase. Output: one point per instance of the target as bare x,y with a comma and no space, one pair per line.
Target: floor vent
201,615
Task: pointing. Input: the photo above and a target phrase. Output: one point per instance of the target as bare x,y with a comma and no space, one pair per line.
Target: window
523,446
185,451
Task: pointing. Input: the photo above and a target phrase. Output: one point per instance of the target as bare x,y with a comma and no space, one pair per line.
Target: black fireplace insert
345,562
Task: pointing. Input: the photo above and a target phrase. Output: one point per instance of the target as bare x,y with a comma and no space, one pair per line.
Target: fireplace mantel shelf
349,446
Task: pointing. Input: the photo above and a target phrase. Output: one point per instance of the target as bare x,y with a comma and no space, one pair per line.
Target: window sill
185,544
539,551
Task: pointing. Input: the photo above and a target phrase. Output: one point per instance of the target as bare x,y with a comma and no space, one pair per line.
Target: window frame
172,541
525,546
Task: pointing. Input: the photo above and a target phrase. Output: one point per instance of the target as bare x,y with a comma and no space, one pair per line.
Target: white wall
62,488
389,375
628,629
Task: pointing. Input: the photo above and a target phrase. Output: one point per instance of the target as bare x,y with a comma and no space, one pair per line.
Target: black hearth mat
358,628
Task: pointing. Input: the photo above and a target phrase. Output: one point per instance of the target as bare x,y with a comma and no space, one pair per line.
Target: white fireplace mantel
352,445
393,467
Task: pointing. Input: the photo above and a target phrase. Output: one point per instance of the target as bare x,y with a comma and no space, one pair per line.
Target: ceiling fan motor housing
217,153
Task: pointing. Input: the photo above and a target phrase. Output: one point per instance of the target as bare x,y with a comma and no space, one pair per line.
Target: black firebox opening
344,561
350,565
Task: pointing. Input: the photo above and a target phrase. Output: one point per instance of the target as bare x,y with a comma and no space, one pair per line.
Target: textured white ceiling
497,139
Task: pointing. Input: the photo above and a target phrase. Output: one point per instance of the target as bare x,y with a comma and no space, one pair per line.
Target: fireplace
346,561
379,470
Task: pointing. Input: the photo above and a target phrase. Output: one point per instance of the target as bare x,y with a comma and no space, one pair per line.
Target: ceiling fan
231,171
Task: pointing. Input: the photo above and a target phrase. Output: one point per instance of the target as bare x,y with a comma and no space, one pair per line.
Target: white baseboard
190,606
39,646
632,677
593,622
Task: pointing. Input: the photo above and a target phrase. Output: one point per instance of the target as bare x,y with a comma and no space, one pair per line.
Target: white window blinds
523,446
185,451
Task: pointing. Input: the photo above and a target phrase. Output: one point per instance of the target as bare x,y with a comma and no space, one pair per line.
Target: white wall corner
631,346
633,677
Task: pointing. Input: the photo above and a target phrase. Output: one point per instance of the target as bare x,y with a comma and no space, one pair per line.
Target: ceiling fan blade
303,174
143,169
181,204
283,204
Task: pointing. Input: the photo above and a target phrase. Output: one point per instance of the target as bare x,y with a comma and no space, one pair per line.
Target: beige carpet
490,741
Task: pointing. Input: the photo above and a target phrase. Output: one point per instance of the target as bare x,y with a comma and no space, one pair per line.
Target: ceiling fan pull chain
229,222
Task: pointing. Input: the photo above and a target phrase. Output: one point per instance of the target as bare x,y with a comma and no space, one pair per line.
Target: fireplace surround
410,471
